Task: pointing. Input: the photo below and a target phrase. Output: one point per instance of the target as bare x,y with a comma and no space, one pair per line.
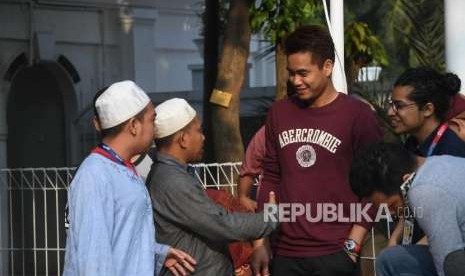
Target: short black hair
166,141
430,86
314,39
380,167
113,131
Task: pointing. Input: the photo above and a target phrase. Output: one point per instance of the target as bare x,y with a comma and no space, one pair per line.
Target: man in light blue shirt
111,222
111,229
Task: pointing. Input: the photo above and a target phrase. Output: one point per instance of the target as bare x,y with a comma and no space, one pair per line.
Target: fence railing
32,204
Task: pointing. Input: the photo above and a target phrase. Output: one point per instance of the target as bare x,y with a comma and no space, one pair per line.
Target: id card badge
408,232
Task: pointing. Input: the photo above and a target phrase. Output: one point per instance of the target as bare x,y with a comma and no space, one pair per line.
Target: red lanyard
107,152
442,129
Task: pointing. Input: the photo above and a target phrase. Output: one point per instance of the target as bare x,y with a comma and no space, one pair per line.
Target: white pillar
138,46
455,38
337,29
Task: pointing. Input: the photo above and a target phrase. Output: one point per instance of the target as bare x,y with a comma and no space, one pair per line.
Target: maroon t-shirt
457,106
308,157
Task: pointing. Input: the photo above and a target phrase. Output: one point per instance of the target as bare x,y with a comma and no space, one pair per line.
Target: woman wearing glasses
422,102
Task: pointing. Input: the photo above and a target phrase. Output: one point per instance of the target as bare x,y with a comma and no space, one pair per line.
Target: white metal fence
32,204
35,200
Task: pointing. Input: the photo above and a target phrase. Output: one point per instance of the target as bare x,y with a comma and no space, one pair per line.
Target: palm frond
423,28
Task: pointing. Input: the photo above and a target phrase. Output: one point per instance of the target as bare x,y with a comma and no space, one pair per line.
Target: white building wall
156,50
150,42
175,31
14,33
263,71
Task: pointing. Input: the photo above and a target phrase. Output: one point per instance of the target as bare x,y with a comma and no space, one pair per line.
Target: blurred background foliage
392,34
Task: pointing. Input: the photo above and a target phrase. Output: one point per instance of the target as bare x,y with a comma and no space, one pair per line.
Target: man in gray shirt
434,191
185,216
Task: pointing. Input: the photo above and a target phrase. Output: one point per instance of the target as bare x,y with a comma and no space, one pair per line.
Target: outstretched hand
179,262
249,204
261,257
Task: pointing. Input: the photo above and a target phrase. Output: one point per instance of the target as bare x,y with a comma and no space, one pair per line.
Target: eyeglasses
396,106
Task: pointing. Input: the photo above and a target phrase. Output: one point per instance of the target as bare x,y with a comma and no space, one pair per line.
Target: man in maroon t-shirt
310,141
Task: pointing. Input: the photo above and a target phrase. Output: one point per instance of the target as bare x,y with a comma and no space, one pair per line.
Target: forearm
423,241
396,234
210,221
245,186
220,226
358,233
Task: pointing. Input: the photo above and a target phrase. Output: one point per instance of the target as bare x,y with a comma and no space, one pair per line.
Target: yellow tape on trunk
221,98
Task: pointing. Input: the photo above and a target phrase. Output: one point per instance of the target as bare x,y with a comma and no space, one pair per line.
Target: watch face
350,245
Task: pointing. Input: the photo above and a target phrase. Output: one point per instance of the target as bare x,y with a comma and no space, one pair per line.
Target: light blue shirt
437,197
111,223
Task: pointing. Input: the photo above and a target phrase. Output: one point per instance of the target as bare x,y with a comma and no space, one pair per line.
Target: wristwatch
352,247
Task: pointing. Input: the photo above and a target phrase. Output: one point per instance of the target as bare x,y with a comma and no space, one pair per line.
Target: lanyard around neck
109,153
409,221
442,129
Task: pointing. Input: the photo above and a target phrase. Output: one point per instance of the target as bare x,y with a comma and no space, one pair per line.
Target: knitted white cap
119,103
172,116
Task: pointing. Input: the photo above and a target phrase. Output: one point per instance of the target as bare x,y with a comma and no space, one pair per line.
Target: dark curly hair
430,86
380,167
315,39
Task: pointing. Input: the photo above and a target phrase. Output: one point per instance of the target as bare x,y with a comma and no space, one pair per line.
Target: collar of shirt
421,149
169,160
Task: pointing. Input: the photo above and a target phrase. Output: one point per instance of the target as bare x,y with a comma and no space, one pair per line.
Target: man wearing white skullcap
185,216
111,230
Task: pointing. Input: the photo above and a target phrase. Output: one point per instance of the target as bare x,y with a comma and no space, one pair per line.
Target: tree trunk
231,71
352,69
281,72
210,70
351,73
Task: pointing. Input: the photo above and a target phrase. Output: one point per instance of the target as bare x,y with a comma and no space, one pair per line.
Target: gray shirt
186,218
437,196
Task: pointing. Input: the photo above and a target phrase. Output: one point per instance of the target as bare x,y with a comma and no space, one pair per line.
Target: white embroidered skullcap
172,116
119,103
